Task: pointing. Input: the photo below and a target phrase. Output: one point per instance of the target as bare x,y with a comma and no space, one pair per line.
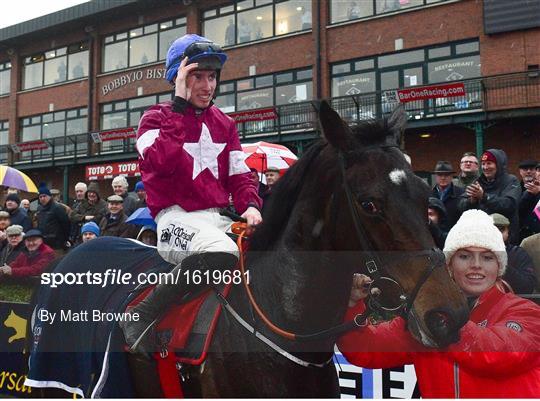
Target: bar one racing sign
111,170
425,92
113,134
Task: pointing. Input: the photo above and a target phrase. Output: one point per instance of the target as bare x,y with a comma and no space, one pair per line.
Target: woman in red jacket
498,355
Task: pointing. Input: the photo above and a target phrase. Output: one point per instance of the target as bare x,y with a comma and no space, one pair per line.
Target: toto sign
110,170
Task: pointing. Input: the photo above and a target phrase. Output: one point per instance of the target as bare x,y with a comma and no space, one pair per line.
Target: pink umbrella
263,155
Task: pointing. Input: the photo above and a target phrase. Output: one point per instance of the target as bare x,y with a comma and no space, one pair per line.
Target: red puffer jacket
26,264
193,159
498,355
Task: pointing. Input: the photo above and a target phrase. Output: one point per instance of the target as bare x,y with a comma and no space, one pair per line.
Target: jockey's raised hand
181,88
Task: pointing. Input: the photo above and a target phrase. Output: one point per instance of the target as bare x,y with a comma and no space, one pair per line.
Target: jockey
190,160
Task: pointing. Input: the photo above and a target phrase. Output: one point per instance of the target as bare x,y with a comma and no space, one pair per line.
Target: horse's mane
278,208
285,193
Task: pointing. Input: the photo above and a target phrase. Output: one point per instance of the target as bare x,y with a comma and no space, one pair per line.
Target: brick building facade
95,67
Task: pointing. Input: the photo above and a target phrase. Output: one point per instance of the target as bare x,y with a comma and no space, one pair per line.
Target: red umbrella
263,155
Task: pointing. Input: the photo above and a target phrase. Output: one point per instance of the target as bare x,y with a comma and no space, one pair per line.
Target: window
455,69
265,91
5,78
143,45
56,127
4,140
55,66
4,132
345,10
408,68
53,125
249,20
126,113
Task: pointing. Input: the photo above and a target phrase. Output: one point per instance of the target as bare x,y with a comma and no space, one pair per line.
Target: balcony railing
486,94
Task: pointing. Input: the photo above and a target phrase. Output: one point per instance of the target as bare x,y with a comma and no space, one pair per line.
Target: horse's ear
397,122
336,131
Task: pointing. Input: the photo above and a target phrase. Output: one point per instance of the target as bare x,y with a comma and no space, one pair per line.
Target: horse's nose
444,325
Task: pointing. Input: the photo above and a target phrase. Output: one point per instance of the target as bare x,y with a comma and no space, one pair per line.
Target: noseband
373,263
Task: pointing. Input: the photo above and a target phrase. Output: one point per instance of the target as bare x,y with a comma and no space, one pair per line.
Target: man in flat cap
520,272
114,223
14,246
527,171
33,262
529,223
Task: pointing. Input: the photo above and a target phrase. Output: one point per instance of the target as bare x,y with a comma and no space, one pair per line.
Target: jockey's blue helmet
198,49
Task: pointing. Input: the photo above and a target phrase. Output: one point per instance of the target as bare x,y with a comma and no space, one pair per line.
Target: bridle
373,265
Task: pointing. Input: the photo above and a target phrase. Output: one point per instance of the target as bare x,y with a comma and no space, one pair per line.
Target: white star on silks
204,153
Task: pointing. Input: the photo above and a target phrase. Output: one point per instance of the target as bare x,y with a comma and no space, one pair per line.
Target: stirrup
133,349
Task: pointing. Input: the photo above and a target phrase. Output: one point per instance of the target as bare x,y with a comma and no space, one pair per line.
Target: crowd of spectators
31,238
512,202
35,238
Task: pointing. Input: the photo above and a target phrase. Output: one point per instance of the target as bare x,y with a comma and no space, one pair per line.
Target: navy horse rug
77,345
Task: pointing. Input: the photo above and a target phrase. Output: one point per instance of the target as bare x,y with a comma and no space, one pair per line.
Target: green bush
12,292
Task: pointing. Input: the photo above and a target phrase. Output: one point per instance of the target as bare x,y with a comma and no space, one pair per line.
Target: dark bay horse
351,203
302,258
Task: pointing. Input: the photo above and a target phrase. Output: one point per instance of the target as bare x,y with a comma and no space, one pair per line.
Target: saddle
183,336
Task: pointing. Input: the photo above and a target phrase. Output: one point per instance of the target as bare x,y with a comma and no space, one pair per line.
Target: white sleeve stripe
146,140
237,164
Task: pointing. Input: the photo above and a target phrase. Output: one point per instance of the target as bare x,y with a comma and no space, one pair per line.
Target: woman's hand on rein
359,289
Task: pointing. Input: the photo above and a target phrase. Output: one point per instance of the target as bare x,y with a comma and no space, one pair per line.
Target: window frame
274,85
425,3
63,51
234,13
118,37
424,64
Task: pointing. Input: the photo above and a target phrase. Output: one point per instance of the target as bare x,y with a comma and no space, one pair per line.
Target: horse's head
384,205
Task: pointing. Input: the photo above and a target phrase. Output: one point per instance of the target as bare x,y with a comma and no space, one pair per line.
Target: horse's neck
298,283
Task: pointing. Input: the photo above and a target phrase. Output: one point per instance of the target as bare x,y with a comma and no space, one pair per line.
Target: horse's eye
369,207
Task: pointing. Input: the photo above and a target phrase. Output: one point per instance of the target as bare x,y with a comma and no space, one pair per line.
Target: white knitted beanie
475,228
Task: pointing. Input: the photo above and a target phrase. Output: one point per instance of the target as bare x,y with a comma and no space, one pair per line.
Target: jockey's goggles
198,50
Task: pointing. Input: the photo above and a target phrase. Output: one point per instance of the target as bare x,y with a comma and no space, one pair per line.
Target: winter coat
54,223
84,209
17,216
192,158
520,272
451,204
532,247
501,195
130,203
9,254
438,231
497,357
117,227
32,263
529,223
463,181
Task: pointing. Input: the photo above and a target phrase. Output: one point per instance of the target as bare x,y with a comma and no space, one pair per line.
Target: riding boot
137,333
